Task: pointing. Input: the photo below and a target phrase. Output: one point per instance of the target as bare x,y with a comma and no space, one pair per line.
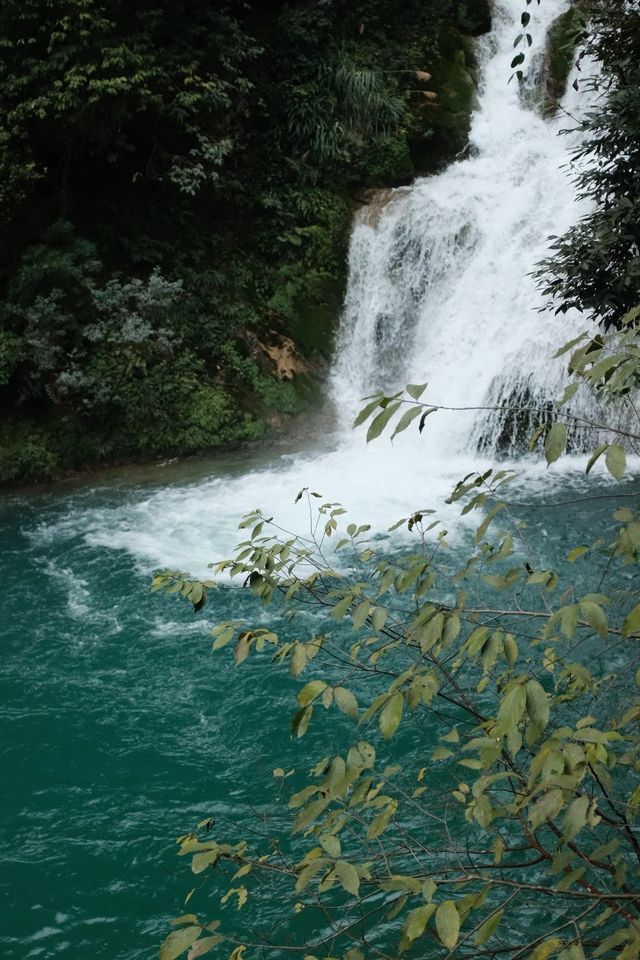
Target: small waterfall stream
439,291
439,285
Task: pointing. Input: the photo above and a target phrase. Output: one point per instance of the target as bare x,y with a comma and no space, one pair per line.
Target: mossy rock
562,39
442,124
313,320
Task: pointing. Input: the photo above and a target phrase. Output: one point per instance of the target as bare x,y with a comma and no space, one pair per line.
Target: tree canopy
213,152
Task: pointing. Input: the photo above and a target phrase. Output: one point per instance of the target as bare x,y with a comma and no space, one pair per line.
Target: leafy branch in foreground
480,794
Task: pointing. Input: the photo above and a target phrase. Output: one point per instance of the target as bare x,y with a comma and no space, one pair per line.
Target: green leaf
341,607
576,553
348,877
597,453
631,622
482,529
179,941
488,928
448,923
366,412
391,715
546,808
544,950
203,860
616,461
567,346
310,691
353,954
406,419
416,921
330,844
594,615
537,704
298,659
380,823
360,614
575,818
380,422
511,709
555,442
378,618
346,702
510,649
300,721
416,390
309,872
204,945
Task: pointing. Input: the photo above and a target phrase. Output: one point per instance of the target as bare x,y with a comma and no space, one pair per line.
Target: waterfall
439,291
439,287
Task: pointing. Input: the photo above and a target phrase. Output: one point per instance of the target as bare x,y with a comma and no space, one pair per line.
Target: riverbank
146,314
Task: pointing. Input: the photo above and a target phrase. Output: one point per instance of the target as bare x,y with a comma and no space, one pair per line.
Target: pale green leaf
555,442
360,614
346,702
366,411
348,877
510,649
616,461
298,659
448,923
179,941
330,844
488,928
546,808
537,704
594,615
380,422
204,945
511,709
575,818
416,390
406,419
391,715
631,622
416,921
310,691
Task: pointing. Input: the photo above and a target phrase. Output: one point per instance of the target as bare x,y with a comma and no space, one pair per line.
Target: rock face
560,53
284,356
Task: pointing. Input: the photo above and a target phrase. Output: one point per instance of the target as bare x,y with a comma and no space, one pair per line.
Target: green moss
313,322
563,36
441,125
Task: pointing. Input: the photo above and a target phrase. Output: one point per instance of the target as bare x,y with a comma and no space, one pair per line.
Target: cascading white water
439,288
438,291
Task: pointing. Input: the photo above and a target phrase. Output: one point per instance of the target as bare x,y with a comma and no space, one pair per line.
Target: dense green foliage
177,183
481,798
596,265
